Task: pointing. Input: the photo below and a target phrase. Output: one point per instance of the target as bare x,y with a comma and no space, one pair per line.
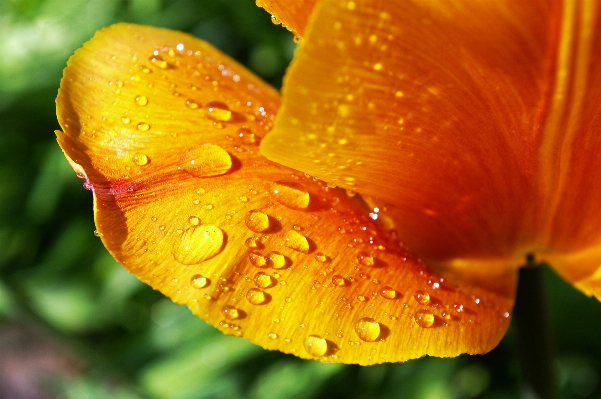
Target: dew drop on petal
257,221
140,159
422,297
194,220
424,318
141,100
218,111
256,296
388,292
291,194
198,244
206,160
251,242
276,260
143,126
272,336
339,281
199,281
365,259
257,260
367,329
297,241
263,280
315,345
230,312
191,104
320,257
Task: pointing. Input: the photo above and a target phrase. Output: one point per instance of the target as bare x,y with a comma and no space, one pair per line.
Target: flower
460,125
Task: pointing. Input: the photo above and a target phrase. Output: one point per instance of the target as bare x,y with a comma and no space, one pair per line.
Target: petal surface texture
165,130
293,15
472,124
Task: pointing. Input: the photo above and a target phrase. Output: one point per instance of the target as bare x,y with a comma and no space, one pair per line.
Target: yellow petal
165,130
293,15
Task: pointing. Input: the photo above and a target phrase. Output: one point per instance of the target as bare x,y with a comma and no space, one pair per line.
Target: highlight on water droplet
422,297
198,244
276,260
297,241
263,280
140,159
257,221
143,126
366,259
339,281
315,345
256,296
141,100
424,318
218,111
388,292
367,329
291,194
230,312
199,281
206,160
257,260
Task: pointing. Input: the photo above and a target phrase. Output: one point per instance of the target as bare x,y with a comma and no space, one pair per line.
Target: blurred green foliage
74,324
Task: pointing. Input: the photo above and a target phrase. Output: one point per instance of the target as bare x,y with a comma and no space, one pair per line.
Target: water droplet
256,296
125,120
362,298
320,257
206,160
194,220
159,61
198,244
297,241
263,280
257,221
252,242
315,345
291,194
276,260
198,281
274,20
243,198
424,318
422,297
140,159
218,111
339,281
272,335
230,312
365,259
388,292
256,259
96,233
191,104
141,100
143,126
367,329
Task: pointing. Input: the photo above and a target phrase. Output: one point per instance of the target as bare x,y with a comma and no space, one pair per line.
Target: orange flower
469,129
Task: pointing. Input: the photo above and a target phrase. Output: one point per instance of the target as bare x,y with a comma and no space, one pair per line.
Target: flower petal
165,130
293,15
432,107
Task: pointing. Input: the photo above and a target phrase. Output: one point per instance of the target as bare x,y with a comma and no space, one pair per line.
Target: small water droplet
264,280
206,160
194,220
257,221
424,318
141,100
252,242
256,296
159,61
143,126
218,111
199,281
274,20
367,329
288,299
198,244
339,281
320,257
276,260
272,335
422,297
362,298
191,104
243,198
125,120
297,241
365,259
140,159
315,345
96,233
291,194
388,292
257,260
230,312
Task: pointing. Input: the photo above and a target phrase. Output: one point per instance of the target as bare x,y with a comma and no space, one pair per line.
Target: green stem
533,334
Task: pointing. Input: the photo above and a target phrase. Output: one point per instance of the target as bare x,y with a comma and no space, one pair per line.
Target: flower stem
533,334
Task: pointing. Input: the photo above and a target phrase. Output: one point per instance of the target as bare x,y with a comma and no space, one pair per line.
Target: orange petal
166,129
432,107
293,15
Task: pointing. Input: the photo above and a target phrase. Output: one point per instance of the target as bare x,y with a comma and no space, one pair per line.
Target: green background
74,324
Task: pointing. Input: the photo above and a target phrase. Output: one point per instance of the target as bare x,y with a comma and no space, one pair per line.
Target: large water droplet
206,160
424,318
140,159
264,280
141,100
198,244
291,194
388,292
256,259
276,260
297,241
367,329
422,297
257,221
256,296
218,111
199,281
230,312
315,345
